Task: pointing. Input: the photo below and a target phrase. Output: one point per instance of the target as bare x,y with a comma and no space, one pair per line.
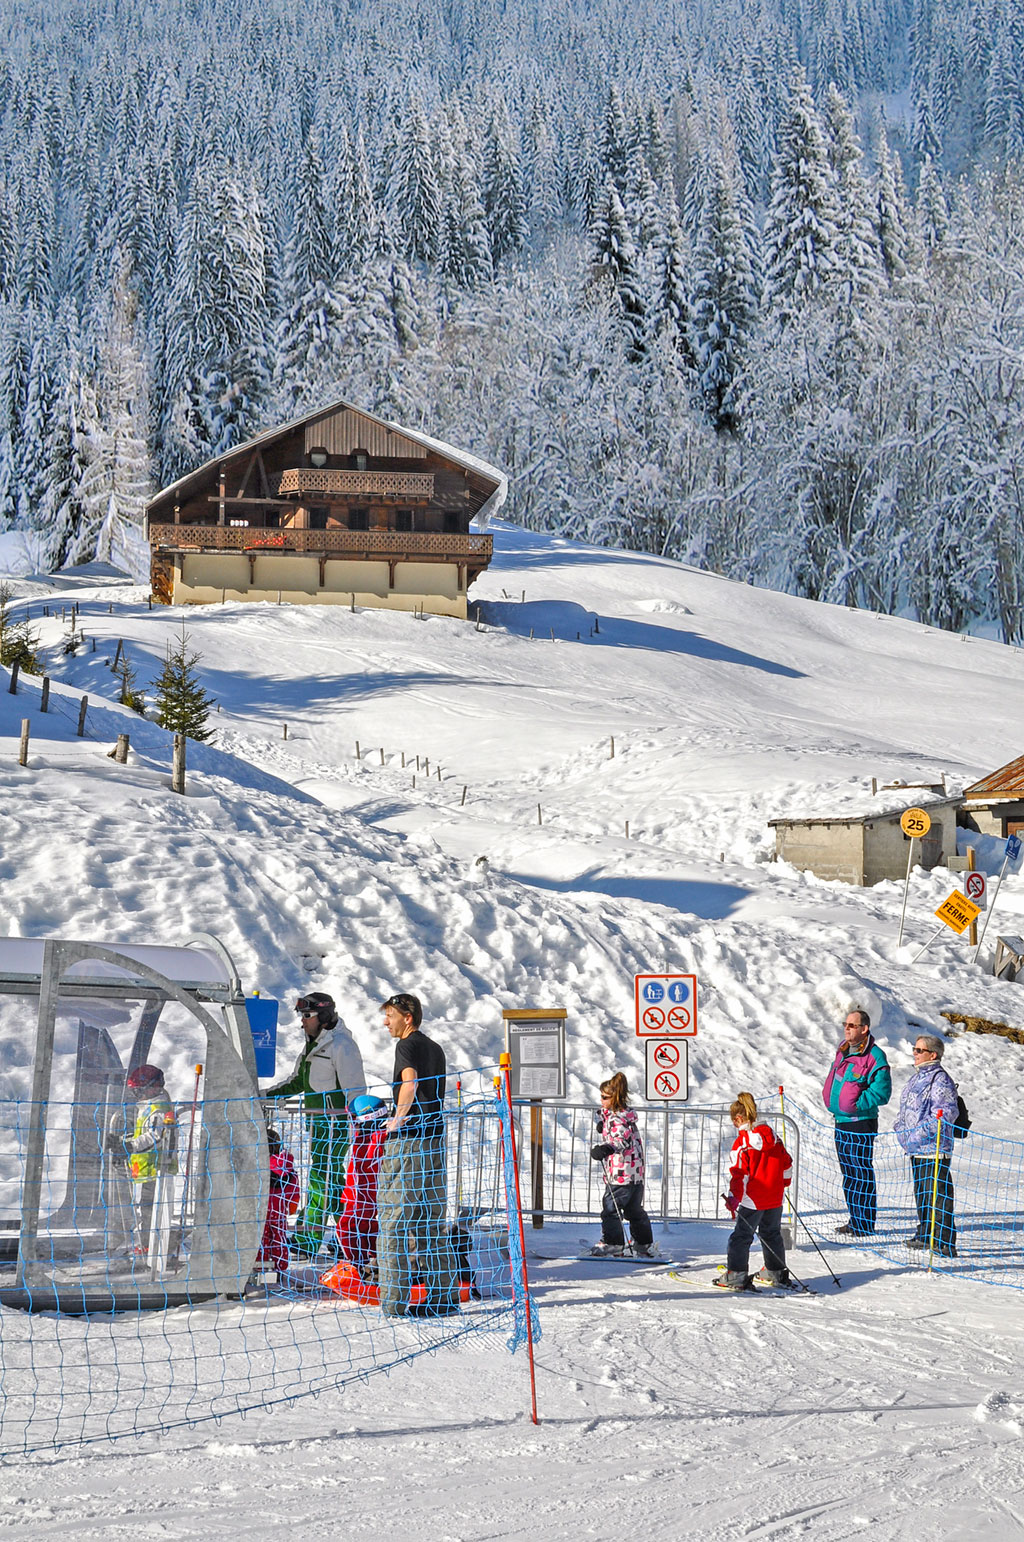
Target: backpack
962,1122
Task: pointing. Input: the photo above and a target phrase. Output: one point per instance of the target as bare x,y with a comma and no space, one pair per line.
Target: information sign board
668,1070
535,1042
665,1004
1012,847
958,911
975,888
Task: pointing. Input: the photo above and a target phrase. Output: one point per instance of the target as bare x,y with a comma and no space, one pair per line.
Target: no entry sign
665,1004
668,1073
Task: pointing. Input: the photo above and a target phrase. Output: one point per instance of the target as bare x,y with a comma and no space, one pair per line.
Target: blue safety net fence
978,1190
215,1271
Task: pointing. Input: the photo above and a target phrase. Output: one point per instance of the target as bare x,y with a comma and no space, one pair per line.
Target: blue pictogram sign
1013,847
679,991
652,991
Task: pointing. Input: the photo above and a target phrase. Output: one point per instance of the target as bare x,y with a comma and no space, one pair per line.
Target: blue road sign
652,991
679,991
1013,847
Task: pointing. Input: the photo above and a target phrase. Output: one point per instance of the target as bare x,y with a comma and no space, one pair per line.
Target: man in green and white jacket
329,1070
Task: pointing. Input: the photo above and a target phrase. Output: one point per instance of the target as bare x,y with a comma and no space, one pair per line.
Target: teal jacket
859,1083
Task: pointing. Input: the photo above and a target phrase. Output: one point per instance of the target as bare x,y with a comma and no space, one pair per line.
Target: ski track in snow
889,1409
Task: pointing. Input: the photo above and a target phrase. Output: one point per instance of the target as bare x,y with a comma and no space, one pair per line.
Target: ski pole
835,1278
935,1191
188,1152
782,1113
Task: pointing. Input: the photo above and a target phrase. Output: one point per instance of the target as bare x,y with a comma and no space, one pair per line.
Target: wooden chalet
339,507
995,805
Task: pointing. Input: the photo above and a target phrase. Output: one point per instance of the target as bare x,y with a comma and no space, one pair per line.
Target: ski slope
890,1406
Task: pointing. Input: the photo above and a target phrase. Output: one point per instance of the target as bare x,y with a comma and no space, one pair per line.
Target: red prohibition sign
679,1017
654,1017
666,1055
974,883
666,1084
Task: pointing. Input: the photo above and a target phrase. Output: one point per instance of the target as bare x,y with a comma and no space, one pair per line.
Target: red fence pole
506,1063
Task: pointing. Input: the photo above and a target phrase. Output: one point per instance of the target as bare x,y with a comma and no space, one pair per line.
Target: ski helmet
366,1106
320,1003
143,1077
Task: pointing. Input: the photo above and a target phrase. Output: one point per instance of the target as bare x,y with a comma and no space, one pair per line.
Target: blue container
262,1013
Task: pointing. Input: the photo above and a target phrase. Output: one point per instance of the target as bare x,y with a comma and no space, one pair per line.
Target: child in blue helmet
357,1220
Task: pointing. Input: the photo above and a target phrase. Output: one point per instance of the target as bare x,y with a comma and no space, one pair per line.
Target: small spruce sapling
129,695
182,704
18,642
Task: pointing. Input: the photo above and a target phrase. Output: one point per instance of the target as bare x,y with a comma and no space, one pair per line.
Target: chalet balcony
382,545
305,480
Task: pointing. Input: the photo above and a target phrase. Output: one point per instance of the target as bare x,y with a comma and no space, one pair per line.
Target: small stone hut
865,845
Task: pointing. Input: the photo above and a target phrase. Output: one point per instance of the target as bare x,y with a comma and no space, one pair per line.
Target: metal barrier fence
686,1149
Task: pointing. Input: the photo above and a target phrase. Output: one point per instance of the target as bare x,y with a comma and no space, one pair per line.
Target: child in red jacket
284,1201
357,1221
760,1173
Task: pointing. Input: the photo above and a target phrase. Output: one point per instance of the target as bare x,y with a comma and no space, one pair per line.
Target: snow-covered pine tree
724,305
614,271
501,184
414,196
801,224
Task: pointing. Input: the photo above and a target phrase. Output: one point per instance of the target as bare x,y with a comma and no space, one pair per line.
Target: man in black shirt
412,1188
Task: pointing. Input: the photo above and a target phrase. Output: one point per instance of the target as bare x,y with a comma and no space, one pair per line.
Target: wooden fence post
44,700
15,669
117,653
178,768
23,750
121,750
82,710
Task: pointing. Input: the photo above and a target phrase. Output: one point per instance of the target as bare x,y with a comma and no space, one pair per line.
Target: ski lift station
866,845
74,1235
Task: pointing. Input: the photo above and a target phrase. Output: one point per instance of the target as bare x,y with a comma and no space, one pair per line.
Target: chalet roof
493,483
1007,782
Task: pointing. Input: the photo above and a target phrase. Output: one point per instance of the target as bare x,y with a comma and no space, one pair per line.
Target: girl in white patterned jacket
621,1152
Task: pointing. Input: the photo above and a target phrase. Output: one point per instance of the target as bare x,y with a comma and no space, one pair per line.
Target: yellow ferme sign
958,911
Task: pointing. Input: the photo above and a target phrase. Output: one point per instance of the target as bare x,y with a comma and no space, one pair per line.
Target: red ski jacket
357,1222
761,1169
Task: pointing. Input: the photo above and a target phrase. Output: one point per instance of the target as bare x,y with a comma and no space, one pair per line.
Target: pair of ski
753,1287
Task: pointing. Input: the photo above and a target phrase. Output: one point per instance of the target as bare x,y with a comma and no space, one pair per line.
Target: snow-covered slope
510,880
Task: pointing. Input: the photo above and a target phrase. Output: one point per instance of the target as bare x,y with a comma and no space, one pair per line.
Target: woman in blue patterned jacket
928,1091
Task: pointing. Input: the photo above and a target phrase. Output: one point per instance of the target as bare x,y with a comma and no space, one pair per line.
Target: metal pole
906,888
506,1065
664,1167
35,1144
935,1191
922,951
537,1161
991,907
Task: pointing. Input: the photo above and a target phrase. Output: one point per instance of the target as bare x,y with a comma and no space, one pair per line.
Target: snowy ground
727,705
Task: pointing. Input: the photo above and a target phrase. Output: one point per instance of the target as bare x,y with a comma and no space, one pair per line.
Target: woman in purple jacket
928,1091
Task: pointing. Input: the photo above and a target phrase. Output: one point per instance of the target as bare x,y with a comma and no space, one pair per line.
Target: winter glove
598,1153
731,1204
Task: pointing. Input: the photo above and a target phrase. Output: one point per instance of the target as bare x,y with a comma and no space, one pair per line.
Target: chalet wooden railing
387,484
386,543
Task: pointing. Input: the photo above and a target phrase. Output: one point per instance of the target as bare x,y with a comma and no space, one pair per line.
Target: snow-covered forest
738,283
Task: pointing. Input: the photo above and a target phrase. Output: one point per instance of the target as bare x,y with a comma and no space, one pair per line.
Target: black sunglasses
402,1003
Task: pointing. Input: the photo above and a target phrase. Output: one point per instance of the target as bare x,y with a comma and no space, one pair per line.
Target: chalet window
451,524
360,460
359,519
403,519
318,518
